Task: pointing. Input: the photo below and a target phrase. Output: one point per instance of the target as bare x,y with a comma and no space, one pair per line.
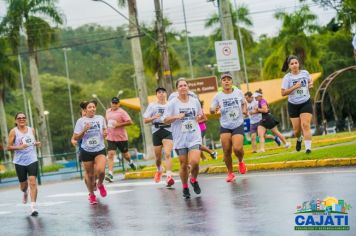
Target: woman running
232,105
23,142
162,135
183,113
267,123
92,130
296,84
255,118
202,126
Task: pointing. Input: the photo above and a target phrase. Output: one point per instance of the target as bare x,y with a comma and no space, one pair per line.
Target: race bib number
93,141
111,123
188,126
301,92
28,140
232,115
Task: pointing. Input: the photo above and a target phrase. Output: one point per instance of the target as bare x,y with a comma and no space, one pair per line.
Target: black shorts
123,146
238,130
203,133
159,135
268,121
90,156
24,171
294,110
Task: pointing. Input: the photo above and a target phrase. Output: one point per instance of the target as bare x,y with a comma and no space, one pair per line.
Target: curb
259,166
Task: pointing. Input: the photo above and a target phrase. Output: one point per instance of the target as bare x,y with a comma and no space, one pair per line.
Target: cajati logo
327,214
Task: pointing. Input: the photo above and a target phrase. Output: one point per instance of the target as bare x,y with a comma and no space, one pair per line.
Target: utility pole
227,30
165,75
188,44
134,35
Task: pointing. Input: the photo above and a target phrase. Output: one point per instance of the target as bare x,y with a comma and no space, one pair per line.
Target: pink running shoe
92,199
169,181
242,168
157,177
102,190
25,197
230,177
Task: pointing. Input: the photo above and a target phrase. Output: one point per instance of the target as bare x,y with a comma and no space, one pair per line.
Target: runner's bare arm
286,92
81,134
11,146
125,123
150,119
170,119
37,143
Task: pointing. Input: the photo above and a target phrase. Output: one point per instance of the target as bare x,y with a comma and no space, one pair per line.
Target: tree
293,38
22,16
8,78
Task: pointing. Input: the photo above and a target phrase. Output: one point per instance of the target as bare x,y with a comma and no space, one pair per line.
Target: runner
232,105
91,129
182,113
255,118
296,85
162,135
23,142
176,94
268,122
202,126
117,138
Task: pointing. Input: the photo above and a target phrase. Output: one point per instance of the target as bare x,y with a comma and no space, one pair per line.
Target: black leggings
24,171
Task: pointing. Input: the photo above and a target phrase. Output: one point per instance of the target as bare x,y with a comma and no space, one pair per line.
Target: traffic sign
227,56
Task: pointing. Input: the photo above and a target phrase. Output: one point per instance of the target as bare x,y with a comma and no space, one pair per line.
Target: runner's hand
37,144
180,116
298,85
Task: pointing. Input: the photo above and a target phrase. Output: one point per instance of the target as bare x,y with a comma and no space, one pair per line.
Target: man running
117,138
232,105
161,133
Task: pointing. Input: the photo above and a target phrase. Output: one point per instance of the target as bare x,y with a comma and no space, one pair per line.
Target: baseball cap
115,100
226,74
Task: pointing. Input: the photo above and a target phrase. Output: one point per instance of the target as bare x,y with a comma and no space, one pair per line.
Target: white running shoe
287,145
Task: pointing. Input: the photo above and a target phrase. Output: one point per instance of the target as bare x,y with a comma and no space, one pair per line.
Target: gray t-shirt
254,118
186,131
152,109
93,139
301,94
175,95
230,108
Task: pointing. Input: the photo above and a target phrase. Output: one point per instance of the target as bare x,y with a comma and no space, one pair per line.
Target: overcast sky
79,12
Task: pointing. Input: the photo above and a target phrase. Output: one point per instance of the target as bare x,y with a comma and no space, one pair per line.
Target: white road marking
76,194
42,204
4,204
142,183
5,212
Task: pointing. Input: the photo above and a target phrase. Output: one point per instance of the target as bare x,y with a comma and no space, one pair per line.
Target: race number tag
232,114
28,140
301,92
111,123
93,141
188,126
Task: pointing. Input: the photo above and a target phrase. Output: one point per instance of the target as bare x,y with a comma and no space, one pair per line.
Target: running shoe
109,178
254,151
230,177
25,197
157,177
308,151
186,193
242,168
102,190
261,150
169,181
92,199
298,146
196,187
277,140
287,145
214,155
133,166
34,212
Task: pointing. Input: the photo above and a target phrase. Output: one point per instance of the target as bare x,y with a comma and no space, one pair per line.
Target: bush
45,169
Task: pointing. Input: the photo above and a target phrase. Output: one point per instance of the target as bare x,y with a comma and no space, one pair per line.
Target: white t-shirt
301,94
28,155
186,131
175,95
230,108
254,118
152,109
93,139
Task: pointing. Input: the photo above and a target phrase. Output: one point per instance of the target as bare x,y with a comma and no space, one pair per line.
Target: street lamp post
188,44
46,114
100,102
68,84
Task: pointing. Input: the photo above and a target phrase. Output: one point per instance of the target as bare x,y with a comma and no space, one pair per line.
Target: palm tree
293,38
22,17
8,79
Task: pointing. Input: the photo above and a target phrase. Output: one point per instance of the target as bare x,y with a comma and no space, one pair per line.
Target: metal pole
97,98
141,121
69,87
188,43
241,46
22,85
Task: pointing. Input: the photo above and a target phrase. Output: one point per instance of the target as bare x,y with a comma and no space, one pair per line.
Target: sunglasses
115,102
21,118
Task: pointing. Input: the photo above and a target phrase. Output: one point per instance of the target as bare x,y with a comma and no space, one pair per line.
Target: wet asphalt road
256,204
